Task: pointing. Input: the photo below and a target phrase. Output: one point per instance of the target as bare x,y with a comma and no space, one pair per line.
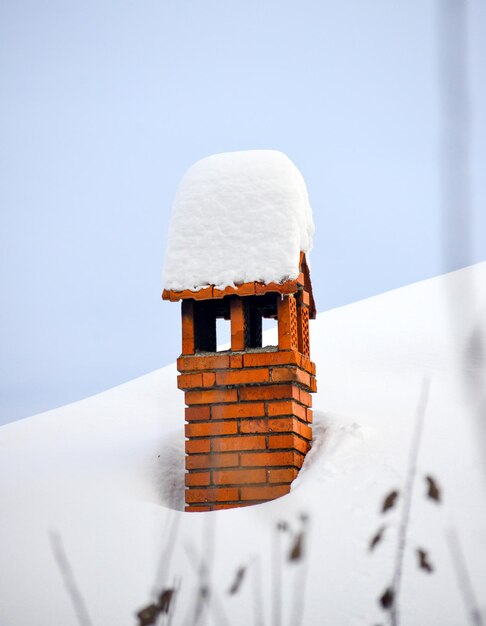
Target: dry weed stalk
389,599
463,579
67,574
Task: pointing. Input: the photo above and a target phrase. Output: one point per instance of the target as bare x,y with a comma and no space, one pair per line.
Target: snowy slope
105,474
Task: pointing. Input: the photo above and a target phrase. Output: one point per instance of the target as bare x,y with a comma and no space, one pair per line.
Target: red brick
214,494
288,441
196,509
230,411
287,408
289,424
281,441
197,445
202,461
197,363
198,479
308,365
305,398
189,381
264,492
243,377
258,359
237,324
282,424
254,426
301,412
197,413
211,429
313,384
269,392
284,475
208,379
290,374
265,425
230,444
235,505
240,477
305,431
210,396
265,459
236,360
308,413
219,507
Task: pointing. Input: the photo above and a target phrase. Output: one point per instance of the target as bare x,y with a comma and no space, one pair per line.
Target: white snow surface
238,217
106,474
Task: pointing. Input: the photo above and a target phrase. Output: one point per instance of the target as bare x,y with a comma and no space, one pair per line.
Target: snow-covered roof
102,474
238,217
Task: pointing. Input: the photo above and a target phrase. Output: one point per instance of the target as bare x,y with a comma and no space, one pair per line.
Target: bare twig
300,578
176,587
407,499
166,554
463,579
67,574
277,577
257,592
206,596
205,568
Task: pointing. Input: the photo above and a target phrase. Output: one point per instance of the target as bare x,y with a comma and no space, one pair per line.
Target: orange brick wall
248,424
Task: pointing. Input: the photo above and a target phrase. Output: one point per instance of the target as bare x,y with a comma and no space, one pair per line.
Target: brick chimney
248,414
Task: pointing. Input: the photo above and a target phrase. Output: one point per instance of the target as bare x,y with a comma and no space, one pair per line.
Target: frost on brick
238,217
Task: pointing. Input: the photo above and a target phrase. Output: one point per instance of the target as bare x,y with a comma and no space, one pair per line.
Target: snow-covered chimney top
238,217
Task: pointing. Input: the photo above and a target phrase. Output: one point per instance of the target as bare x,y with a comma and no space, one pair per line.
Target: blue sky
103,107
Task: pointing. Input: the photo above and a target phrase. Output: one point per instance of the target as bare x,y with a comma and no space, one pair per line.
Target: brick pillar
287,323
303,323
187,309
237,324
